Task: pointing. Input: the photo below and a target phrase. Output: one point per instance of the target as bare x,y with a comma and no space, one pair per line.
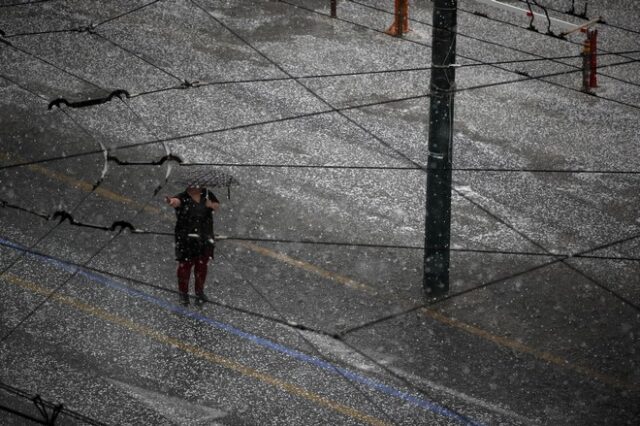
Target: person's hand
173,202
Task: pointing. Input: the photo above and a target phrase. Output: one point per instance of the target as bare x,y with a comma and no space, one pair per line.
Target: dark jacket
194,226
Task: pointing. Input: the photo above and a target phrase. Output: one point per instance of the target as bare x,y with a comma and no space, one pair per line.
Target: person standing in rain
193,237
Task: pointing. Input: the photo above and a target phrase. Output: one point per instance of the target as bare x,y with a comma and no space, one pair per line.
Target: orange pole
401,20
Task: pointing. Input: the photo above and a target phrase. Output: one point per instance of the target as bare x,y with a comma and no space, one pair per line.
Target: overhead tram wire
329,104
76,29
103,37
467,36
305,87
298,328
277,65
602,22
130,52
63,410
477,60
378,103
358,73
539,58
479,63
486,210
367,105
444,410
541,33
27,3
38,241
273,240
65,112
632,60
313,114
291,77
59,68
82,200
487,284
122,15
71,276
376,406
61,286
409,168
95,254
138,282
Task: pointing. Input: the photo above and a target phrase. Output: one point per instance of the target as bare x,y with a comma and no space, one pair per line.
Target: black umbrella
209,179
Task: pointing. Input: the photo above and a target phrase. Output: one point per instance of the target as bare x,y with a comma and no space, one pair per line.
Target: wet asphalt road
318,315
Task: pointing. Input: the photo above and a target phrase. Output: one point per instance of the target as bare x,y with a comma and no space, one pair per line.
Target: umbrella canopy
208,178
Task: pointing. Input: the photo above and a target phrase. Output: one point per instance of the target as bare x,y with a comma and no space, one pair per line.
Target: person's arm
213,205
173,201
212,202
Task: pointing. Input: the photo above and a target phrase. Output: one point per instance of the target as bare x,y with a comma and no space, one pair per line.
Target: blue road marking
266,343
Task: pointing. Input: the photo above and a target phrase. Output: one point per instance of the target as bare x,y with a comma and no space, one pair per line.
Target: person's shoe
202,298
184,299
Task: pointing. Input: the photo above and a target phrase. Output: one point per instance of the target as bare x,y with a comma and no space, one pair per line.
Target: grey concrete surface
317,313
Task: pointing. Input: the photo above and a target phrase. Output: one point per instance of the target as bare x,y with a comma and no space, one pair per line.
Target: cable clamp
186,84
48,417
3,40
91,29
436,155
120,94
121,225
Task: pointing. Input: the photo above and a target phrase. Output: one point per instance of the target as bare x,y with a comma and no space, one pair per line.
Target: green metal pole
438,203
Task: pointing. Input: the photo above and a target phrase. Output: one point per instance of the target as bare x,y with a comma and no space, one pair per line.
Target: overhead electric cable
26,3
38,241
482,15
129,12
134,281
408,168
461,35
339,110
63,284
585,18
59,68
262,295
468,88
90,27
313,114
33,398
135,55
117,225
491,214
482,286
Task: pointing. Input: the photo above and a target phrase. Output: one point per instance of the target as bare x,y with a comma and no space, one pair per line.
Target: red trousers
200,272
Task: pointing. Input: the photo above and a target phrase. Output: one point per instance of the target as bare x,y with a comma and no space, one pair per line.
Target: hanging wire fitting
91,29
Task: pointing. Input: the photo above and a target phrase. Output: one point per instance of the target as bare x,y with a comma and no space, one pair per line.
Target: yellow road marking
87,187
341,279
438,316
520,347
199,352
82,185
